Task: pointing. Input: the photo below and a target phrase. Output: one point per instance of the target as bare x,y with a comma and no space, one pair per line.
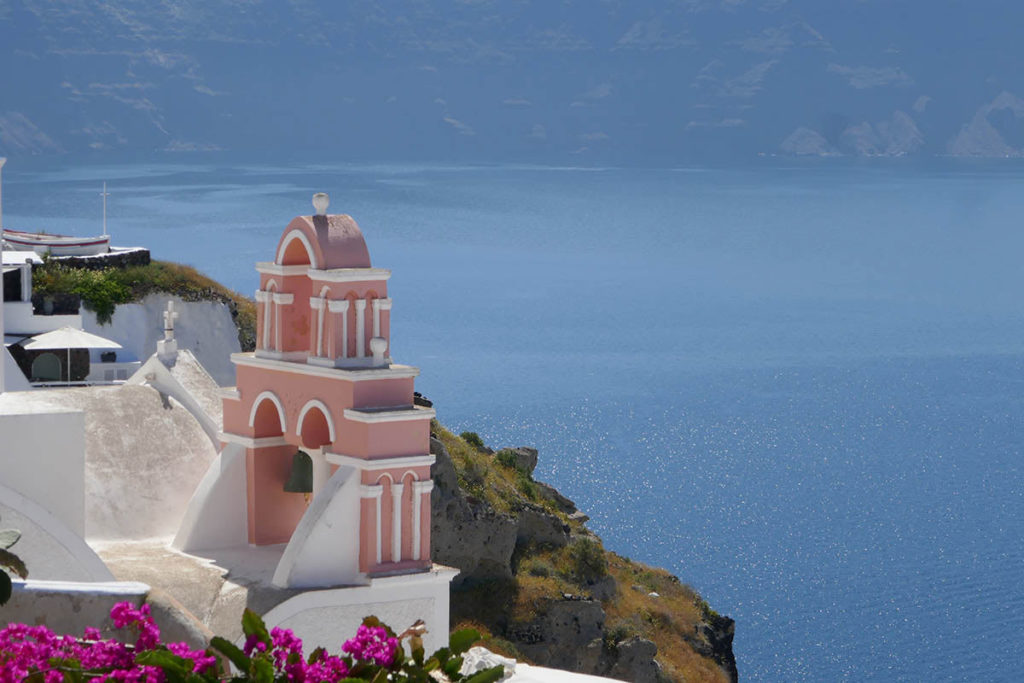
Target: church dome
323,242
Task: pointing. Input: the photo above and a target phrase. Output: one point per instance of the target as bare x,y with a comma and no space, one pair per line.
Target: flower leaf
11,561
262,670
231,651
9,537
487,675
452,667
174,667
252,624
461,641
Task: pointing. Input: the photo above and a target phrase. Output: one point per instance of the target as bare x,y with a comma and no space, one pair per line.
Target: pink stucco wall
333,242
340,290
273,513
295,390
367,534
383,439
371,477
382,393
295,316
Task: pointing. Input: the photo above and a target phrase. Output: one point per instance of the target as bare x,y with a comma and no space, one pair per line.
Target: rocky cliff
541,584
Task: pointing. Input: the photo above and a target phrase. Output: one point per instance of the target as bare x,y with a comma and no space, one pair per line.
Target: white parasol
69,338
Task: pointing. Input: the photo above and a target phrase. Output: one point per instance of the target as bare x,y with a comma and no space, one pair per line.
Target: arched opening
315,431
47,368
267,417
314,427
296,251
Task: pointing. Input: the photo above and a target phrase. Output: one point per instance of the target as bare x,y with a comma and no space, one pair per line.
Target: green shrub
526,485
473,439
506,458
706,611
535,566
100,290
588,562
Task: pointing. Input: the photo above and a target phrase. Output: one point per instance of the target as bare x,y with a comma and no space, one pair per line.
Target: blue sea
798,386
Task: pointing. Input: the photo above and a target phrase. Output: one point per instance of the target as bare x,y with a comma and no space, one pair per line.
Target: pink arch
287,241
272,397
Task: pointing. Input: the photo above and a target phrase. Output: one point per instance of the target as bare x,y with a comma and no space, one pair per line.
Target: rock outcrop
465,532
566,630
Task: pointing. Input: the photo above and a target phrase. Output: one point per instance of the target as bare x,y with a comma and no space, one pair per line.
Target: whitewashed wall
42,457
50,550
204,327
325,618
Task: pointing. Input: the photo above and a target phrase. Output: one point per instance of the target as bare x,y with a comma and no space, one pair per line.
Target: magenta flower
372,644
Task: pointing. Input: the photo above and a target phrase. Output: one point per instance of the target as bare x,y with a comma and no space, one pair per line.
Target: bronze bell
301,478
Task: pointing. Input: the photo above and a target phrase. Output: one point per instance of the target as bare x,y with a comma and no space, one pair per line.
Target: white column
264,297
317,303
378,306
280,299
418,489
396,522
26,281
360,328
341,307
321,469
376,492
277,325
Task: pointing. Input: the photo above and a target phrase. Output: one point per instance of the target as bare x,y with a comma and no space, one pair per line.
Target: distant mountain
576,81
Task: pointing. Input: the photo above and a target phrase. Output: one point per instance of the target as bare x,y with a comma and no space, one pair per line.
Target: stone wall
117,257
68,607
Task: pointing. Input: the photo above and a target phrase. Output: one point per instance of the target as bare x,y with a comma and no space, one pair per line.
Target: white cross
169,317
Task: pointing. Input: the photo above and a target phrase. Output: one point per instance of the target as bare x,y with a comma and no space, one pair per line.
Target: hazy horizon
656,83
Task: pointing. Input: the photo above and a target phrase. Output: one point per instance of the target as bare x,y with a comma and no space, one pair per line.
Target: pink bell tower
322,380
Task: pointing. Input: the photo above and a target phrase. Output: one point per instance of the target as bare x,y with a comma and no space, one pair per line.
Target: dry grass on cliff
503,488
669,619
544,575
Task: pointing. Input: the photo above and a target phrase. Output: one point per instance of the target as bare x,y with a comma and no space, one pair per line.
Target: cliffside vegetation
101,290
541,586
